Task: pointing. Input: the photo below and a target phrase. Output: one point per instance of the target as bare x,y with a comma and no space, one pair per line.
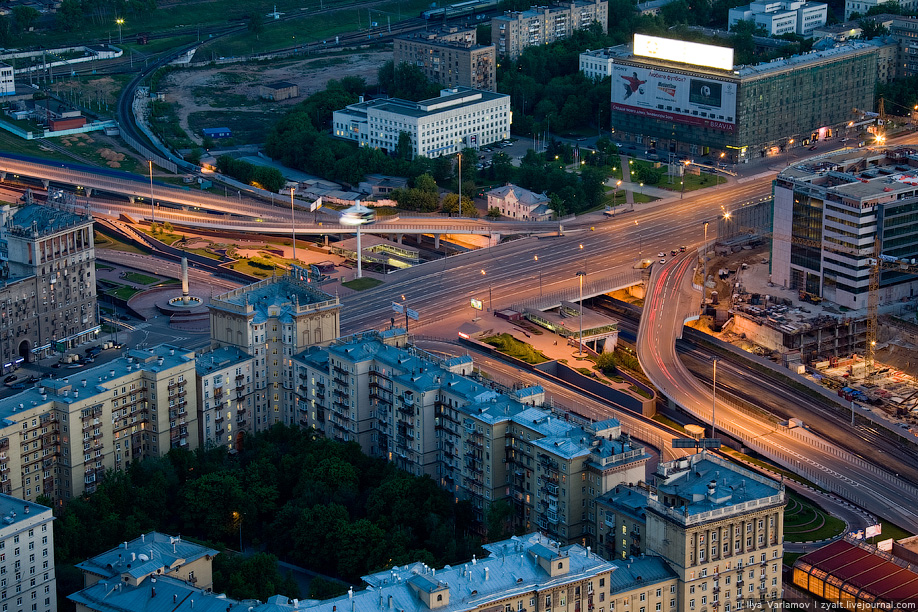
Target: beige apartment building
513,32
57,438
450,57
27,579
271,321
226,396
719,527
426,415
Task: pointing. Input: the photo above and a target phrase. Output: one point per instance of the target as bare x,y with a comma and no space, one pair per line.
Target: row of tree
317,503
265,177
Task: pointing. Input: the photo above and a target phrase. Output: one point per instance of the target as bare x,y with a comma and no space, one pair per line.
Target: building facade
48,294
905,30
784,17
744,112
513,32
58,438
719,527
861,7
29,583
225,381
428,417
7,80
521,204
829,210
596,65
459,118
452,58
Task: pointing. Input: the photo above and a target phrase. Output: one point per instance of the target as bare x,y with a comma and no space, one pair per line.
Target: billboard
684,52
670,96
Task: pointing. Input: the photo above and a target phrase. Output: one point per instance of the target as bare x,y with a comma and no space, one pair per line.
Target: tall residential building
428,417
514,31
48,287
226,396
524,573
719,527
905,30
271,321
682,97
782,17
451,57
57,438
460,117
829,210
26,557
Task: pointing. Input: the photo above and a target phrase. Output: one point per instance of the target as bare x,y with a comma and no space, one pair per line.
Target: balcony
551,488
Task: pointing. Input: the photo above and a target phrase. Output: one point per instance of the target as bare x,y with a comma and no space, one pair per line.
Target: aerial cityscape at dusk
485,306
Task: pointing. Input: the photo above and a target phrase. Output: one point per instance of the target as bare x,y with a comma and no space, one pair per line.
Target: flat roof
14,510
278,297
218,359
449,99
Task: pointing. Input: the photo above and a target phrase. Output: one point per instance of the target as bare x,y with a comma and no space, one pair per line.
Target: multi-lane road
671,299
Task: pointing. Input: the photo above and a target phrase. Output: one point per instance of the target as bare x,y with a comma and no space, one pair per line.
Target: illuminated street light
536,259
490,296
120,22
580,275
358,215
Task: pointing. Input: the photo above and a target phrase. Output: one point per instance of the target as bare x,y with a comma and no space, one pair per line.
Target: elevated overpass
671,300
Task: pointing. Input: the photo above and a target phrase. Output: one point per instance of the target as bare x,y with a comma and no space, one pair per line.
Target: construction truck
812,298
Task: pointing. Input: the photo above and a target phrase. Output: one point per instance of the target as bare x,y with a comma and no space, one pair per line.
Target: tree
426,183
494,213
405,81
25,17
403,150
451,205
256,23
69,16
606,363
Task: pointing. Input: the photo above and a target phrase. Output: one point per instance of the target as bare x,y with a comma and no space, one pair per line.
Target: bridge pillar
45,183
436,241
494,239
131,199
2,176
88,191
398,238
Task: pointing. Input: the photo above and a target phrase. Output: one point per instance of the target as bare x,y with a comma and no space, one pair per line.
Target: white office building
787,17
461,117
26,557
7,80
597,65
862,6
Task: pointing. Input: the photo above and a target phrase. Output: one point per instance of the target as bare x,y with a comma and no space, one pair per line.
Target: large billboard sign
684,52
670,96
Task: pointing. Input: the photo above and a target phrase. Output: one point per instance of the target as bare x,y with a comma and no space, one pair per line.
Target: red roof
867,570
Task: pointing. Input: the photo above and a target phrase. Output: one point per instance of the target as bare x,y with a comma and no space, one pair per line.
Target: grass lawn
507,344
100,92
123,293
359,284
107,242
101,266
693,182
205,253
142,279
891,531
249,127
14,144
804,521
642,198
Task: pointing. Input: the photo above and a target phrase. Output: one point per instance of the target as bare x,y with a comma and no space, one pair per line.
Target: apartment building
47,282
451,57
460,117
514,31
7,80
719,527
426,415
829,210
271,321
784,17
225,380
27,579
861,7
905,30
57,438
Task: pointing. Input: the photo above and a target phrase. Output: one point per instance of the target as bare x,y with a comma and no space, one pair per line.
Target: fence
160,161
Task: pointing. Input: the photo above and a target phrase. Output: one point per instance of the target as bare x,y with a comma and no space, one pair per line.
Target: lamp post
714,400
704,265
787,151
490,297
615,196
238,518
536,258
460,182
580,276
293,225
120,22
152,209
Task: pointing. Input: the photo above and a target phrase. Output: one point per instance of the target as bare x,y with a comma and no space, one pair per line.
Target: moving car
661,254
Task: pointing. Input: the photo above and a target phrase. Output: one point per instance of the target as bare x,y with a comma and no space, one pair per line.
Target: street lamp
120,22
704,266
714,401
615,196
787,151
358,215
490,296
536,258
152,209
580,276
238,518
459,155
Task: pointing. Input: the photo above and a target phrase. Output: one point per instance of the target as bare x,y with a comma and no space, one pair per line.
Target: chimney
25,509
192,603
133,557
152,592
486,573
174,598
390,602
350,593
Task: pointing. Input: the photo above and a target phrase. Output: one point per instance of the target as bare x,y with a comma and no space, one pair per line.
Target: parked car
10,378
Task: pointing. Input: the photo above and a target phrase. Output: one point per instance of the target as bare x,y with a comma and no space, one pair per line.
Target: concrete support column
436,241
45,183
88,191
132,199
398,238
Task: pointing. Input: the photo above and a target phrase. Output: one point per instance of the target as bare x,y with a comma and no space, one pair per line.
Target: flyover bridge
672,299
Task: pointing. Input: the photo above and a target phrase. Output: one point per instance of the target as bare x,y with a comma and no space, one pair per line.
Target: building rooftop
704,485
279,85
14,510
279,297
639,572
145,555
78,385
449,99
34,220
219,359
630,500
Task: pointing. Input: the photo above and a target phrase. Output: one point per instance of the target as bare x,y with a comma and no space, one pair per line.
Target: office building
718,527
783,17
460,117
514,31
48,287
597,64
29,583
428,417
270,321
225,383
860,7
686,98
7,80
828,210
528,572
59,437
450,57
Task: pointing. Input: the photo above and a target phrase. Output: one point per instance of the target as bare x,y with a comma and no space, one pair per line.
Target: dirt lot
226,92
